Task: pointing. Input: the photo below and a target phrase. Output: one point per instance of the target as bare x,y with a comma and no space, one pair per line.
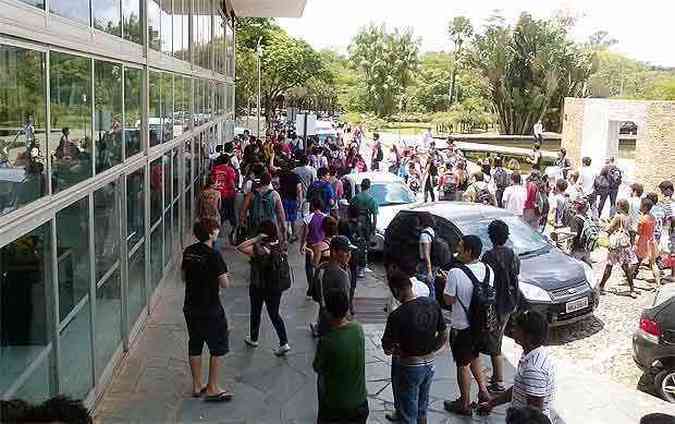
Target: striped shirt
535,377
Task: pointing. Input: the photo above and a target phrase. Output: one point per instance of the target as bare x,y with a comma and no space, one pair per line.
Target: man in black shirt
290,189
205,273
414,332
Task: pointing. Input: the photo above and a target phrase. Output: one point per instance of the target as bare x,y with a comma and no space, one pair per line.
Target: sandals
199,394
220,397
456,407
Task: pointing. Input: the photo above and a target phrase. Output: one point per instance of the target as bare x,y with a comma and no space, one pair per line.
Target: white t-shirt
634,212
426,236
535,376
587,177
459,285
514,199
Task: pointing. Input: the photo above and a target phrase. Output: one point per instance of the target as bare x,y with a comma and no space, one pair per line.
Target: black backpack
506,283
281,274
482,311
380,155
615,177
441,255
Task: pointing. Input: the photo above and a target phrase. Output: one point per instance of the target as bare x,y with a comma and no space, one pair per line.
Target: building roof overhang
269,8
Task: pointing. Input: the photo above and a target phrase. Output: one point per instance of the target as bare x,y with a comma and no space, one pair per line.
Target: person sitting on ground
534,383
340,365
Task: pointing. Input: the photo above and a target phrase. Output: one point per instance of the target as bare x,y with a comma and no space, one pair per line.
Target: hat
341,243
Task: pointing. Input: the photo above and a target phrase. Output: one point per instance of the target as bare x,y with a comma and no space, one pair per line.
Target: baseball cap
341,243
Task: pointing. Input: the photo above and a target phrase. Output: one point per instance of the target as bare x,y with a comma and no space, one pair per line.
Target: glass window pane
71,147
37,3
187,155
77,10
168,244
76,376
36,388
136,291
154,24
25,270
23,148
108,321
106,234
176,173
131,16
166,25
178,29
186,101
176,228
108,114
167,107
155,112
186,31
133,99
72,249
107,16
156,256
156,187
168,180
135,207
187,219
196,44
178,107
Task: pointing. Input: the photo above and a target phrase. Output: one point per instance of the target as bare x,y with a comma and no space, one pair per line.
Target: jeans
499,196
227,212
412,384
612,194
429,188
272,301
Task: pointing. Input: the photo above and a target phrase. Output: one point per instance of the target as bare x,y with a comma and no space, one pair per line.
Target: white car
390,192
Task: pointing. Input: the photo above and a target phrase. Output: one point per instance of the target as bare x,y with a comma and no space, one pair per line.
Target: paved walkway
153,384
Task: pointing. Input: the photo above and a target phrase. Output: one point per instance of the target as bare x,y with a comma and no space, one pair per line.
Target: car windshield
522,239
394,193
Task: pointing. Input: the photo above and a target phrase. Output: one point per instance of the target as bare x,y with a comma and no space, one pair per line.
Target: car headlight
531,292
588,272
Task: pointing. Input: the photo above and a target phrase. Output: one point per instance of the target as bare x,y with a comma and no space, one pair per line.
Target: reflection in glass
131,20
186,30
182,89
167,107
196,42
206,35
108,114
168,244
176,227
178,29
156,188
77,10
40,4
133,99
135,207
155,111
154,23
25,279
23,148
168,180
136,287
187,220
75,336
107,16
187,155
106,234
70,139
156,256
167,31
108,321
36,388
176,173
178,109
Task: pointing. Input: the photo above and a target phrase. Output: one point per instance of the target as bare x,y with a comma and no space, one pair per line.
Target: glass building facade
107,113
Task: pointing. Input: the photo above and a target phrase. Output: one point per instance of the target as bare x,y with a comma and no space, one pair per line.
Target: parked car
654,344
391,194
551,282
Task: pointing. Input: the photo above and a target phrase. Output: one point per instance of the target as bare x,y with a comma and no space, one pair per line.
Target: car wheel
665,385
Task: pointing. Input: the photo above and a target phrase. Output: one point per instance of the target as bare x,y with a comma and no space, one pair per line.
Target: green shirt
340,363
365,202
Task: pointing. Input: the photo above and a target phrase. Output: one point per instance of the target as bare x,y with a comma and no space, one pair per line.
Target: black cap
341,243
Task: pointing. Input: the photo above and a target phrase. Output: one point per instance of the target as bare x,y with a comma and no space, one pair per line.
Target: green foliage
387,62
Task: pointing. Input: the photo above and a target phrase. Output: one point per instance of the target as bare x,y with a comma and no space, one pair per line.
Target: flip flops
455,407
201,393
220,397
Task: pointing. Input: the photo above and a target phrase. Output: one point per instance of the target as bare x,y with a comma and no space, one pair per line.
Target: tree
600,40
386,61
460,30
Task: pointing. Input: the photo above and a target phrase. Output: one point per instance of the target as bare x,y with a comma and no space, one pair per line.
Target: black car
654,345
551,282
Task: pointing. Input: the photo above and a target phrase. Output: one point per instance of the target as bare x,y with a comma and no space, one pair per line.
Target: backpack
482,311
262,209
484,197
441,255
590,232
615,177
566,212
380,155
281,274
501,178
506,283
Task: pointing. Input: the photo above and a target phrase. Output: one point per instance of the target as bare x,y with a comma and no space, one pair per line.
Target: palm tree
460,29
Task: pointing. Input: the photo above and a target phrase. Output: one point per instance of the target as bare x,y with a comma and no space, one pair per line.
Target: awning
269,8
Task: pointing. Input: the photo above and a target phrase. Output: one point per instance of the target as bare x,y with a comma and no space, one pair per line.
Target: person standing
587,182
465,348
506,265
428,177
646,247
531,208
322,189
351,228
311,234
290,189
204,272
308,175
534,383
601,189
535,158
563,163
634,202
225,177
262,250
340,365
515,195
263,204
615,177
501,180
538,131
620,250
668,232
414,332
368,211
377,153
209,202
579,226
427,234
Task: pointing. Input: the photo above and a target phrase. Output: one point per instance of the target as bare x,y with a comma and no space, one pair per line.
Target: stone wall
655,147
573,129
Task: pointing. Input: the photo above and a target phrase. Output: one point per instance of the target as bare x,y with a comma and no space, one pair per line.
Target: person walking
534,383
620,250
646,247
351,228
501,180
291,191
615,177
535,159
634,202
428,177
587,182
414,332
205,273
368,211
666,188
506,265
465,348
377,153
581,225
322,189
531,208
311,234
340,365
563,163
601,188
515,195
263,290
225,178
263,204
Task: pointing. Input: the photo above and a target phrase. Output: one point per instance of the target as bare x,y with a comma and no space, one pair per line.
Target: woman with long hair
620,251
646,245
261,250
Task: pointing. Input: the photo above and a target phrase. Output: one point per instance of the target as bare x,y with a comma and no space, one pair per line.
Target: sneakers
282,350
361,273
250,342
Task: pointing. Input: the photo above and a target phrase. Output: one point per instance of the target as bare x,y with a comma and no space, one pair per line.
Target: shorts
290,209
463,347
211,330
492,345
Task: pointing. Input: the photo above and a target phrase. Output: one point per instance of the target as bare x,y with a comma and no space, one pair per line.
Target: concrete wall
573,124
655,147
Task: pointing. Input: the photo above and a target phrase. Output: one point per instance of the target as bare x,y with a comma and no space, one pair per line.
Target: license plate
576,305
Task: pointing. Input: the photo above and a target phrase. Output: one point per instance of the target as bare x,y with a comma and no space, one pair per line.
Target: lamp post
258,54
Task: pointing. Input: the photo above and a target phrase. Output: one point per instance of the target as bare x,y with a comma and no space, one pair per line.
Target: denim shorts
412,384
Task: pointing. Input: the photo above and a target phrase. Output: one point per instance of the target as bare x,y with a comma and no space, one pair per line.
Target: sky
645,29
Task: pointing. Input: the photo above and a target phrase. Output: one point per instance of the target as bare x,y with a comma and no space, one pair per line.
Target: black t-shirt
288,185
414,326
202,265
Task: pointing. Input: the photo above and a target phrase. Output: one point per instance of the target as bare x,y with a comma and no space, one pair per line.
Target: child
646,246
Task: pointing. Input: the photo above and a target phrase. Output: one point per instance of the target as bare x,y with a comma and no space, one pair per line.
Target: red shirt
224,177
531,199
